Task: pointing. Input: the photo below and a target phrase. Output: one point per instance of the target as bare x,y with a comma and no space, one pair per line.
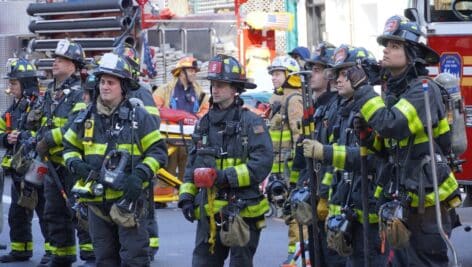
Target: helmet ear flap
357,76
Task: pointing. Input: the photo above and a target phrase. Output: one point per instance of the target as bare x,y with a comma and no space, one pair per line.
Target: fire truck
448,27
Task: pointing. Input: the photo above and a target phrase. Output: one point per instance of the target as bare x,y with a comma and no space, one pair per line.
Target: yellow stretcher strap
167,177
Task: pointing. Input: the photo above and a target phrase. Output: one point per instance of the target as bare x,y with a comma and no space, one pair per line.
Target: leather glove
312,149
276,120
359,124
133,185
80,168
322,209
42,148
188,210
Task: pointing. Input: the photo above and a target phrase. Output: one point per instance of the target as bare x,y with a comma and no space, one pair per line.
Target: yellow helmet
185,62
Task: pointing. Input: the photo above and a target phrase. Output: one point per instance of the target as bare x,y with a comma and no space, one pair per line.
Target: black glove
359,124
188,210
80,168
133,185
221,180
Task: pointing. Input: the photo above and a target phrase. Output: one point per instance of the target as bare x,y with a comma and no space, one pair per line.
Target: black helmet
401,29
22,70
90,85
228,69
115,65
70,50
321,56
347,56
131,55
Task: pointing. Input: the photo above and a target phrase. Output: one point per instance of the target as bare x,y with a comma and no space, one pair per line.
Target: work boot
45,260
16,256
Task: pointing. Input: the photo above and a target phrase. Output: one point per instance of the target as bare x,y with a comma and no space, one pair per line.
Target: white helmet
286,63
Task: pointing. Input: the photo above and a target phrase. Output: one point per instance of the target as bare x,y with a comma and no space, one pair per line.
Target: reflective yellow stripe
70,155
252,211
6,161
334,209
47,247
378,191
371,106
281,165
71,137
59,122
275,135
22,246
57,159
150,139
227,162
243,175
331,138
127,147
64,251
86,247
152,163
294,176
442,128
327,179
154,242
57,136
409,111
3,124
188,188
291,249
79,106
95,149
373,217
339,156
152,110
377,143
445,190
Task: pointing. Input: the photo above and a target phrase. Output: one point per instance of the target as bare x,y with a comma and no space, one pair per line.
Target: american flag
270,21
149,68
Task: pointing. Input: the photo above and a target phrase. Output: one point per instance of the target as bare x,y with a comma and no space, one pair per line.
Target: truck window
441,10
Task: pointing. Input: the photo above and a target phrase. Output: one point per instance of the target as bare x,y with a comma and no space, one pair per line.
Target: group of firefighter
347,167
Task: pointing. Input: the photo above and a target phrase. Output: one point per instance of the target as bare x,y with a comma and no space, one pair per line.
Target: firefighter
301,54
114,126
230,157
144,94
17,127
351,69
401,121
63,100
182,93
285,119
326,106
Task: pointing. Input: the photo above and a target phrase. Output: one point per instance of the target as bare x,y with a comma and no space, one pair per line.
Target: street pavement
177,239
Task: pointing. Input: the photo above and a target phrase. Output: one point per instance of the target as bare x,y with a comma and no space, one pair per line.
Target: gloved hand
80,168
42,148
188,210
322,209
133,185
312,149
359,124
276,120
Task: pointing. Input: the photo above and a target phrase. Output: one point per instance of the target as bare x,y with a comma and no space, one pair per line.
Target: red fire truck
448,24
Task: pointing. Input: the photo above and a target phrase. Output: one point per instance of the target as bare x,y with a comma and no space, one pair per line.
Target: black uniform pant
116,245
426,247
240,256
85,244
375,256
20,218
60,220
151,223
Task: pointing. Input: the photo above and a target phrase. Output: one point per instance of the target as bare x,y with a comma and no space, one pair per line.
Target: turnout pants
375,255
20,218
240,256
60,220
115,245
151,223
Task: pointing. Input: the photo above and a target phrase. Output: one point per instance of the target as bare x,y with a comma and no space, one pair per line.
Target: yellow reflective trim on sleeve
294,175
3,124
150,139
152,110
47,247
188,188
72,138
445,190
95,149
371,106
275,135
256,210
327,179
152,163
409,111
58,159
70,155
378,191
243,175
21,246
64,251
86,247
373,217
442,128
154,242
6,161
127,147
339,156
57,136
59,122
79,106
